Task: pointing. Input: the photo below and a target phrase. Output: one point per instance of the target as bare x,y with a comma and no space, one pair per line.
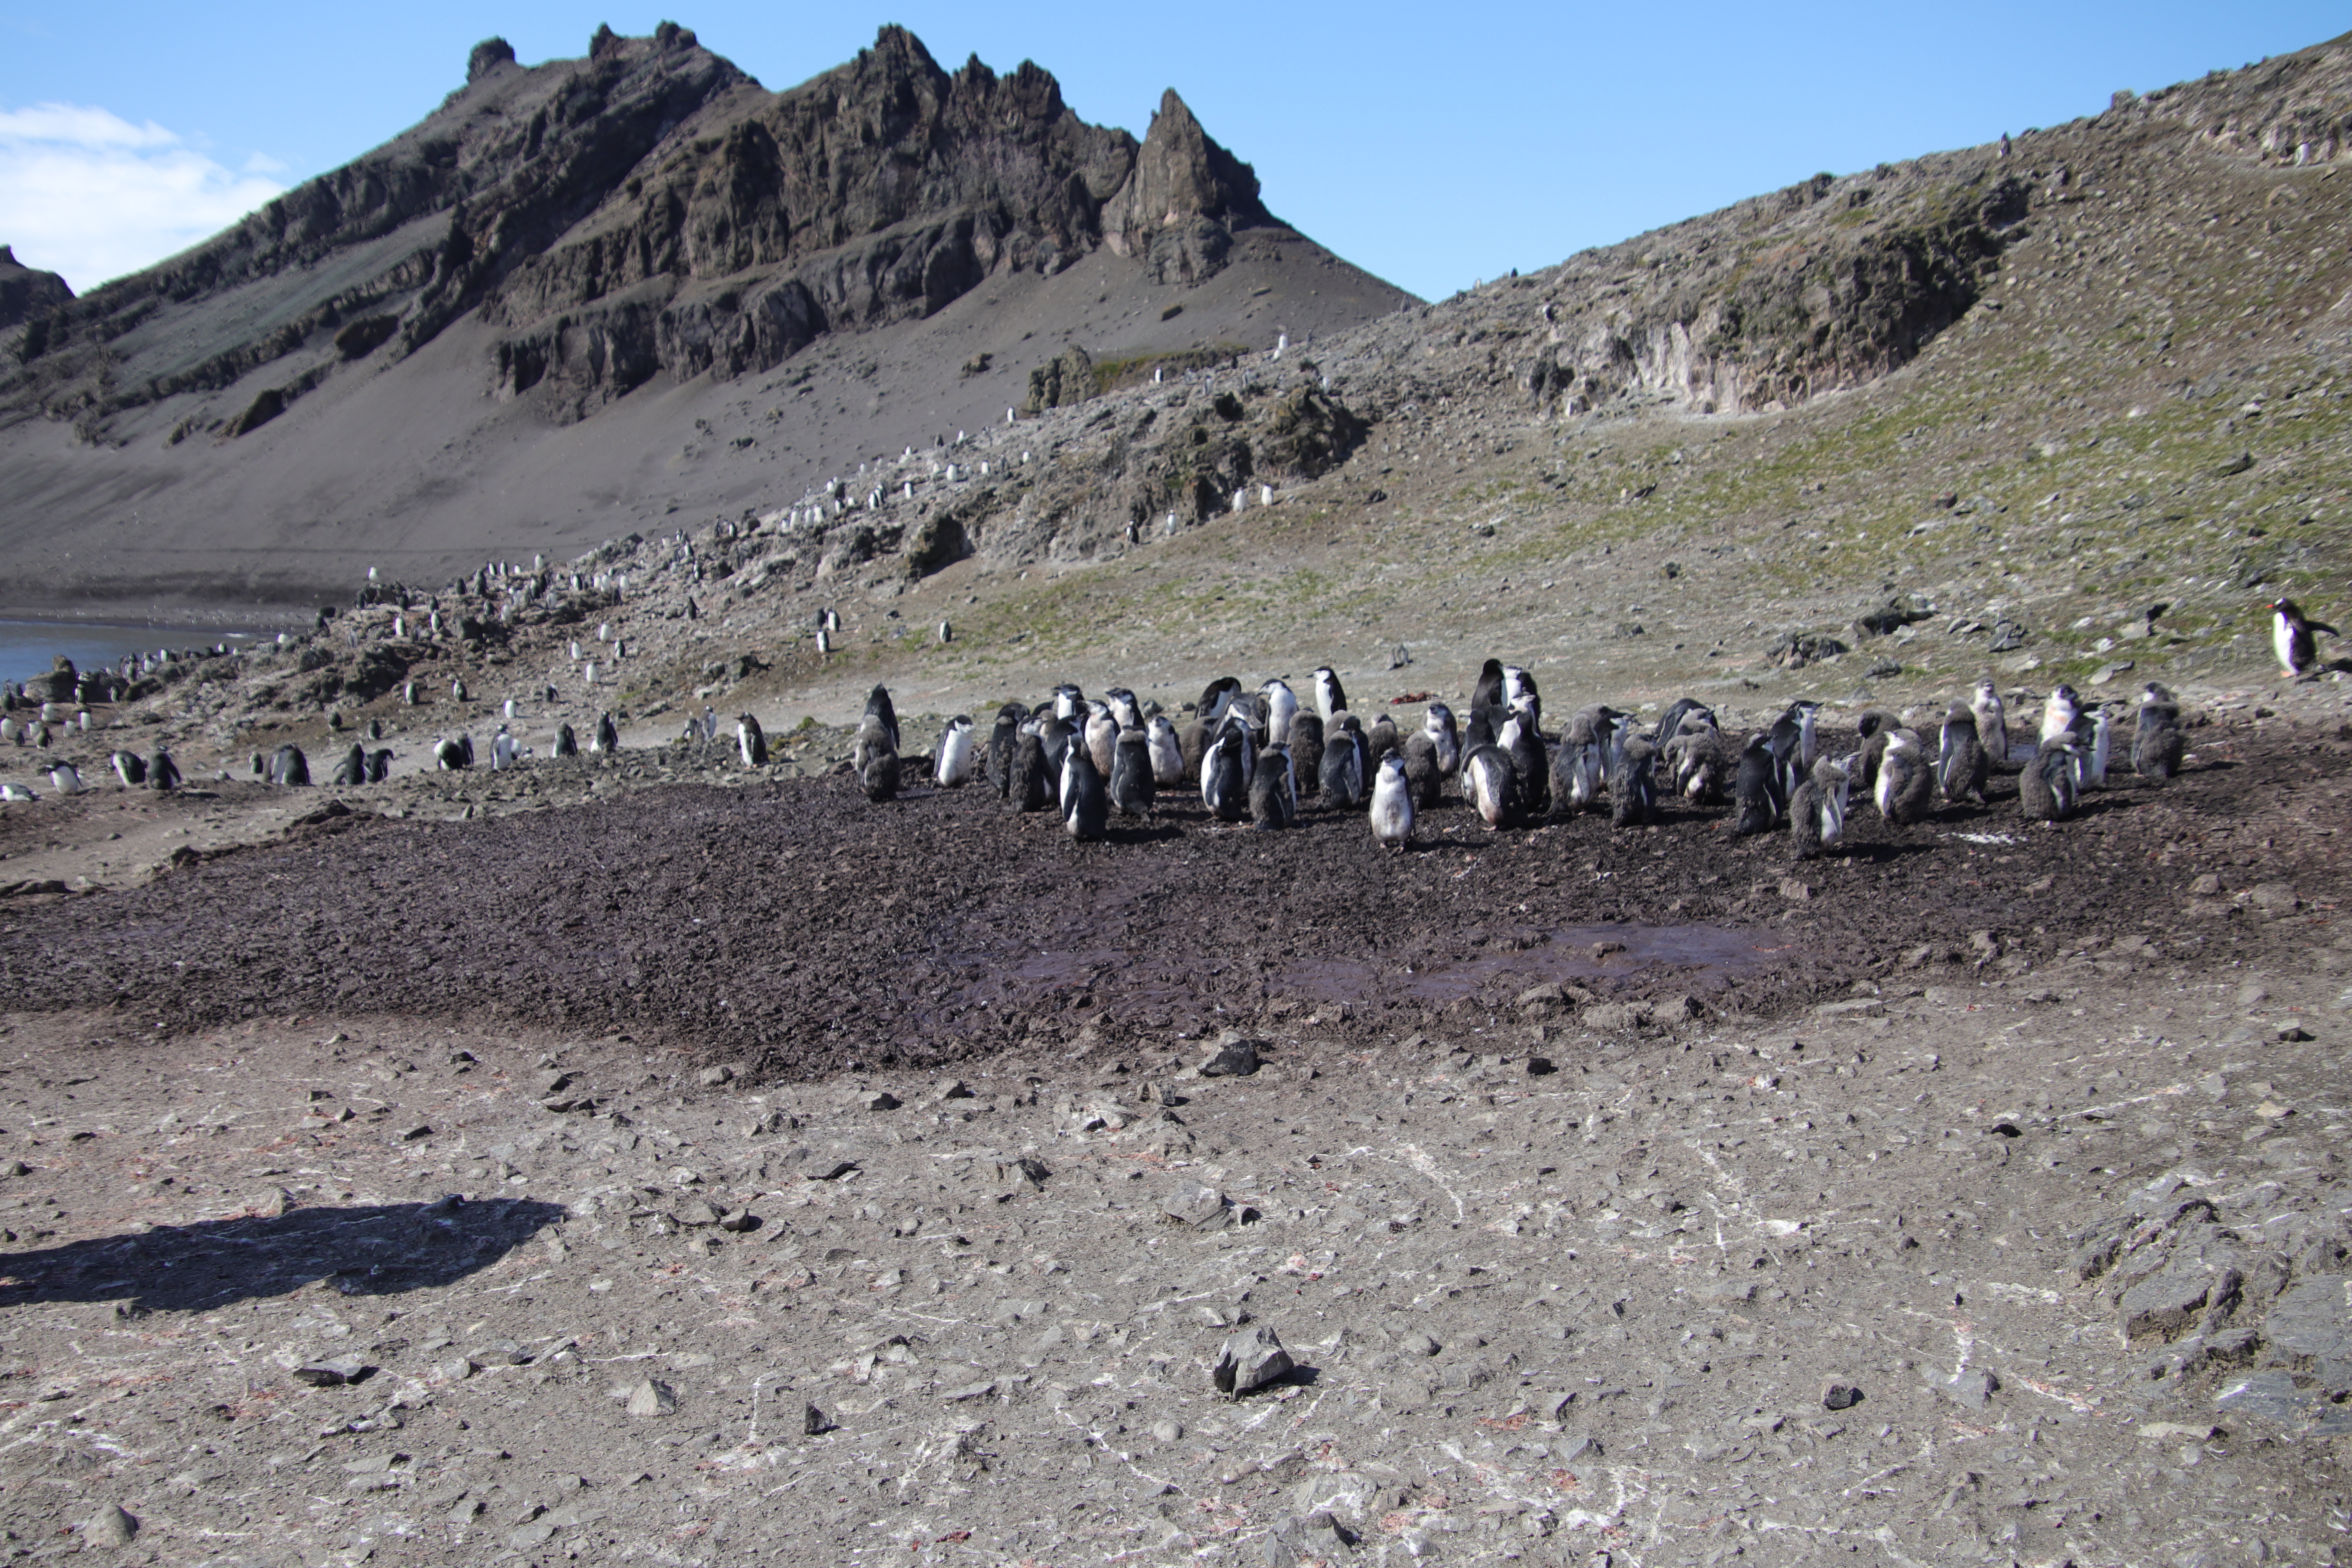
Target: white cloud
85,193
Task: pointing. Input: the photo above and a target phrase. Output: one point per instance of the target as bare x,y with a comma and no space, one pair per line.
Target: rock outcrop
26,293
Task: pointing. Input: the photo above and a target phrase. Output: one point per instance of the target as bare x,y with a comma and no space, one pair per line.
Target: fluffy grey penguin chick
2156,743
1132,787
1272,801
2045,789
1817,811
1392,792
1907,784
1961,766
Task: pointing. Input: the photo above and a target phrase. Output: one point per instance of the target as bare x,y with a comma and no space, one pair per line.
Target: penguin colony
1256,757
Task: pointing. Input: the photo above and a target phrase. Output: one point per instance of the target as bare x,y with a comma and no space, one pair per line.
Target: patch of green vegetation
1114,371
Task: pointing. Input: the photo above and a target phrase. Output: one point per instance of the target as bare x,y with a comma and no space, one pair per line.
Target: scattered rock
1971,1389
1251,1359
1836,1395
1233,1058
651,1396
713,1077
1198,1206
110,1527
1167,1431
814,1423
332,1374
1796,890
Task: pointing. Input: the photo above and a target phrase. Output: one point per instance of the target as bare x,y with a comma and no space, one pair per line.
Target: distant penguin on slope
750,742
1393,809
877,707
353,769
608,735
2291,638
567,744
289,766
2156,744
958,757
449,756
66,777
129,768
876,758
379,765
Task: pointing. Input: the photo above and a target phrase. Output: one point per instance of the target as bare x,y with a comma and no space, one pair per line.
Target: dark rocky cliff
26,293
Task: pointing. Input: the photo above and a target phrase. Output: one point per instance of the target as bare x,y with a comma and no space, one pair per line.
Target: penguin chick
1419,761
1992,721
880,770
1307,751
2291,638
2059,713
1101,733
1167,754
1961,766
2045,789
1491,783
1528,761
956,758
1445,736
1131,781
1817,810
608,736
1633,788
877,707
1086,804
1224,789
1907,784
353,769
162,773
1392,792
1342,766
751,742
1694,754
1004,744
1026,783
2156,743
567,744
1380,739
1755,806
1272,802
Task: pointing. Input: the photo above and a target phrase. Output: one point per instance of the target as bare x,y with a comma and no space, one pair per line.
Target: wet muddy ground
792,926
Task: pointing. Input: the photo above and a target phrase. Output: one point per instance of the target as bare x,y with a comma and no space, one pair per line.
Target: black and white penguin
1694,757
1059,735
1961,766
1168,755
1340,768
1581,765
1069,703
1633,787
1330,697
450,757
1029,782
2291,638
162,773
1307,746
1223,788
1817,810
375,726
1485,724
1992,721
504,752
1486,691
2156,743
457,688
1215,697
289,766
1795,746
1124,710
1273,794
130,768
1520,691
17,792
957,759
1004,740
2045,789
876,758
66,777
1421,772
1281,707
1446,738
1392,792
1133,786
379,767
877,707
1528,760
1670,723
1755,797
608,736
1084,802
2093,742
352,770
1905,789
2059,713
1491,784
751,742
567,744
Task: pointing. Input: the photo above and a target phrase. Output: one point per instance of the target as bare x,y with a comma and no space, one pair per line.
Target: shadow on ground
367,1251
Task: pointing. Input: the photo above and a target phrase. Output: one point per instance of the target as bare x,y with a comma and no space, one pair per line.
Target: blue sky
1431,145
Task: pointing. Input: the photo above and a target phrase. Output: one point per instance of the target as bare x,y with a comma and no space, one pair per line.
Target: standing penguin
2045,789
1272,798
1342,766
1330,697
1528,761
162,773
1580,767
2092,741
1794,746
450,757
1419,759
1633,788
877,708
353,768
567,744
1167,756
1101,731
1754,801
1445,738
2156,744
1086,804
1486,691
876,758
1961,766
750,742
1307,751
2059,713
608,735
1224,789
1519,691
129,769
379,765
1492,785
2291,638
288,765
1132,785
66,777
1004,742
1907,784
956,759
1281,706
1992,721
1392,802
1817,810
1028,785
1380,740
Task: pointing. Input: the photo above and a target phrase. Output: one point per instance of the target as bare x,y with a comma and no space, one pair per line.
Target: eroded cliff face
649,210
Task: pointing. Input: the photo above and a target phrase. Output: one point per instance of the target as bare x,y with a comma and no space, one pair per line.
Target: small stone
110,1526
1198,1206
274,1204
698,1212
968,1391
880,1100
2292,1031
952,1089
1795,889
1166,1431
828,1168
15,1168
2275,900
331,1373
715,1077
741,1221
651,1396
413,1134
1419,1344
813,1422
2108,672
1836,1395
1971,1389
2205,887
1233,1058
1251,1359
459,1370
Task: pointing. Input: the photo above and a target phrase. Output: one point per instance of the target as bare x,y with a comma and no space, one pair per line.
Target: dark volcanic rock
25,293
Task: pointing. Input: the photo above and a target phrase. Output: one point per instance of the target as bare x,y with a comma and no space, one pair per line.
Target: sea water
28,647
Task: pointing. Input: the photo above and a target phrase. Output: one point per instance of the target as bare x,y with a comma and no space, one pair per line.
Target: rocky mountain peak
25,292
1178,208
488,56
